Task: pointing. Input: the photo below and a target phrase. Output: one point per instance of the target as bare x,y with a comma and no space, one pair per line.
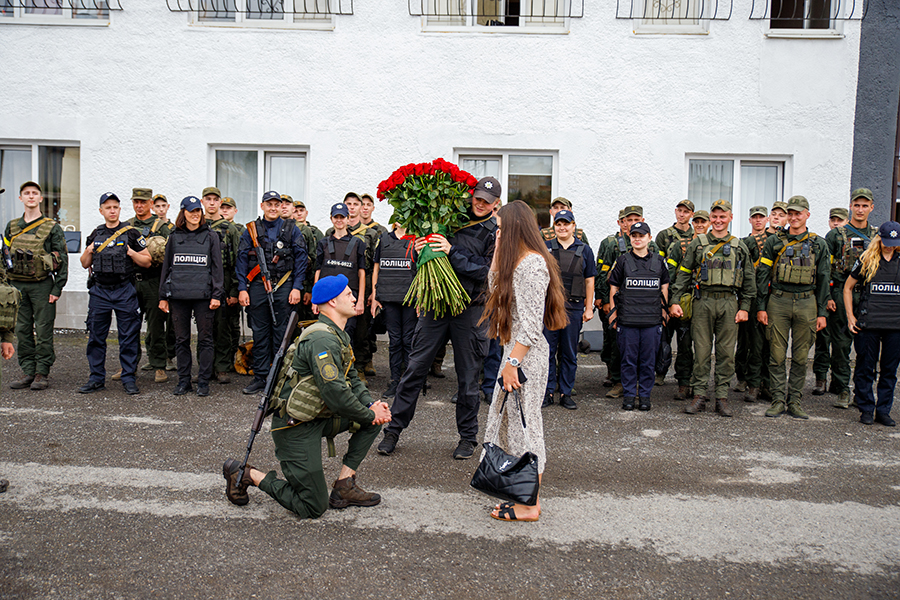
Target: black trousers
266,334
400,321
181,311
470,346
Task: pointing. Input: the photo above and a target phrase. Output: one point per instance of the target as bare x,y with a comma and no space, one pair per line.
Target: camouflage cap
142,194
160,197
228,201
797,203
687,204
299,203
862,193
701,214
286,198
721,205
211,190
759,210
621,214
29,184
779,206
633,210
561,200
840,213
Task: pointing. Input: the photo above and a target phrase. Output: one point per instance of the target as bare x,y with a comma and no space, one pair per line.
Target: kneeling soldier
318,394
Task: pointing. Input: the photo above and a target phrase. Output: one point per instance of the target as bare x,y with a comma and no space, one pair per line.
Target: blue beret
329,288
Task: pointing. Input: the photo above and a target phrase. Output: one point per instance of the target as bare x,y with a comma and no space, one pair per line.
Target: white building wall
147,96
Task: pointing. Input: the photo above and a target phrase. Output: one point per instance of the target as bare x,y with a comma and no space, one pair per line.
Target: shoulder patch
142,242
328,371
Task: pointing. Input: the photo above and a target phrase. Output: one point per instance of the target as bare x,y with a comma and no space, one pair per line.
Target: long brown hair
181,222
871,259
521,235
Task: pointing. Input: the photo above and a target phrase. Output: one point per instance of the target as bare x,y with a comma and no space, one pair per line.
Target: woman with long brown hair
526,295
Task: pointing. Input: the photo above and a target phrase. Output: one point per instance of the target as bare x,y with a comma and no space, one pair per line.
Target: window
497,15
802,14
743,182
673,16
307,14
524,175
57,170
245,174
68,12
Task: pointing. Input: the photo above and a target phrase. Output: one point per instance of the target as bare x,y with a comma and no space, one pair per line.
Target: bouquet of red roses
431,198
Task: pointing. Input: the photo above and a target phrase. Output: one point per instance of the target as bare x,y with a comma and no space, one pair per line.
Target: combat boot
346,493
628,403
235,491
684,393
698,404
820,387
40,382
660,379
616,392
370,370
437,370
776,410
843,400
752,394
117,376
21,384
741,386
388,444
722,407
362,377
644,404
793,409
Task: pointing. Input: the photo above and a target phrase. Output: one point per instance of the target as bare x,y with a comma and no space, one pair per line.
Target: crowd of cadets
747,299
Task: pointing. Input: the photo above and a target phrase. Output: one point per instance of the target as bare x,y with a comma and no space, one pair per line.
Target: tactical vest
674,234
157,248
113,262
221,227
879,306
395,269
31,262
279,254
853,244
190,277
571,268
298,397
639,301
796,261
720,264
9,305
340,259
147,231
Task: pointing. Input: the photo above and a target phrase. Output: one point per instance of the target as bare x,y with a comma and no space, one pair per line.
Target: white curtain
15,169
286,174
710,180
236,176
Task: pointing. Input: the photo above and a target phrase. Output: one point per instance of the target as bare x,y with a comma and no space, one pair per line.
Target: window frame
289,21
659,27
66,19
835,31
471,25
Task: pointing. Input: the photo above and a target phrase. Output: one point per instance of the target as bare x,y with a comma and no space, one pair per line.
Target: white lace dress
530,283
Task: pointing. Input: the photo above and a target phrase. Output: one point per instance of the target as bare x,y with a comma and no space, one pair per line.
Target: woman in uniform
192,283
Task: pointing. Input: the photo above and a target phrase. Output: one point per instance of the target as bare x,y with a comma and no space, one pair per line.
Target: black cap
889,233
640,227
108,196
271,196
488,189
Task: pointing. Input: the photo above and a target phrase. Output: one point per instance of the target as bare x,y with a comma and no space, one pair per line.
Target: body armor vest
9,304
639,301
279,254
674,234
796,261
26,250
221,227
395,269
190,277
720,264
340,258
571,268
853,244
113,263
879,306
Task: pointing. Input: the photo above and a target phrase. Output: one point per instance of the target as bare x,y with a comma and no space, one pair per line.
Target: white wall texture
146,97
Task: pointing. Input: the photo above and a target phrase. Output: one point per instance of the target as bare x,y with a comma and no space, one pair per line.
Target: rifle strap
112,238
282,280
37,223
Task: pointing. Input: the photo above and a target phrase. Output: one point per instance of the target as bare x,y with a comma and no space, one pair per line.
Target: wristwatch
513,361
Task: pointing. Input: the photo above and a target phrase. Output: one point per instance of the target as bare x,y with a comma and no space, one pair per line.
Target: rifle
263,269
262,411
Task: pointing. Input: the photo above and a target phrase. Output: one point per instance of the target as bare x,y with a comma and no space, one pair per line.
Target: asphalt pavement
116,496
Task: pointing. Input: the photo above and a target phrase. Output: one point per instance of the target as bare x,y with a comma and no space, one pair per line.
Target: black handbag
508,477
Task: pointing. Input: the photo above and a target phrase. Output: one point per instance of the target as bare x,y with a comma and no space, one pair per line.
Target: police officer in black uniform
470,251
280,244
111,252
340,253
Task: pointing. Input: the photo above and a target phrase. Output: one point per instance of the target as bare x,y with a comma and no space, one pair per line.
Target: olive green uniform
34,326
327,357
752,358
846,245
723,270
793,291
233,313
610,249
309,237
679,328
229,236
147,287
8,308
549,233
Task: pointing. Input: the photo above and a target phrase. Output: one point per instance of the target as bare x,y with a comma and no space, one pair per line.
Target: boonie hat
687,204
191,203
340,209
142,194
160,197
863,193
840,213
211,190
286,198
561,200
328,288
271,196
889,233
640,227
759,210
29,184
780,205
228,201
721,205
564,215
701,214
797,203
488,189
108,196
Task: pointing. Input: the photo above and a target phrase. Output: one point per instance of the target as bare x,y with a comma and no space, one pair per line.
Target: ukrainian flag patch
322,356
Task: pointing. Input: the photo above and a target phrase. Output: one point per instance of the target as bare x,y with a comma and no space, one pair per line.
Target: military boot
628,403
722,407
346,493
117,376
793,409
776,410
660,379
741,386
698,404
21,384
437,370
616,392
820,387
683,393
370,370
751,395
843,400
40,382
235,491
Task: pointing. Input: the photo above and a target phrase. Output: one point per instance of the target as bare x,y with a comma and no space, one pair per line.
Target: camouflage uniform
8,309
680,328
751,360
147,287
229,238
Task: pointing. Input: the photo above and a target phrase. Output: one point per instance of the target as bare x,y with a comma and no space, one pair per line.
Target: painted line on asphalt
29,411
136,420
143,420
847,535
